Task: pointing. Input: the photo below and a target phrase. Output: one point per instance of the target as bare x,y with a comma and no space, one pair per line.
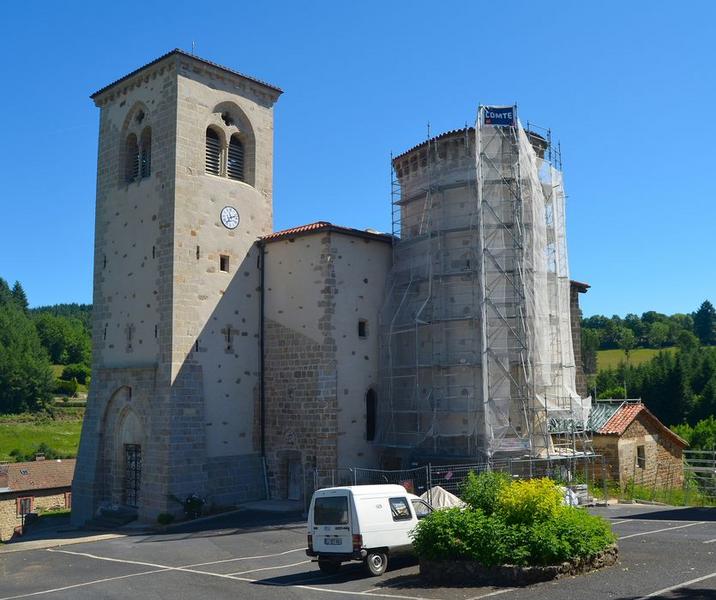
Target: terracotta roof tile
39,475
325,226
621,419
625,416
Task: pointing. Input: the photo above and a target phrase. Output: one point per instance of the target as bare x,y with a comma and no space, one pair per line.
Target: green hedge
510,530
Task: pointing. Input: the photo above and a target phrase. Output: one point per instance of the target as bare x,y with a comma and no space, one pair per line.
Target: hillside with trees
678,383
31,342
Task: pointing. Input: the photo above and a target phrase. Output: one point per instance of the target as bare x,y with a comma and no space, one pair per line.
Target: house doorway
132,474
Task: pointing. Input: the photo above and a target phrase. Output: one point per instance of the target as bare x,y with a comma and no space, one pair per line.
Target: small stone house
29,487
637,446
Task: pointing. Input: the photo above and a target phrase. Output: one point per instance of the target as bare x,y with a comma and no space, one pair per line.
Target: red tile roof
621,419
39,475
326,226
626,415
179,52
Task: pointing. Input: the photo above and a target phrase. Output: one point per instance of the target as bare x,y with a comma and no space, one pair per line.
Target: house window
362,328
24,505
213,152
224,263
640,457
399,509
371,406
235,162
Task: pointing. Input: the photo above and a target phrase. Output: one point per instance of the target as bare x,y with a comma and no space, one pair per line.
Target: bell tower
184,189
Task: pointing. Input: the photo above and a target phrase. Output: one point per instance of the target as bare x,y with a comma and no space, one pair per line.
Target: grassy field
62,436
607,359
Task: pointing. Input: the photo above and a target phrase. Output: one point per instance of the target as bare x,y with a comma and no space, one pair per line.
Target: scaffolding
476,350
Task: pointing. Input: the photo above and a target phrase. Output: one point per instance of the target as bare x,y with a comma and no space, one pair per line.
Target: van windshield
331,511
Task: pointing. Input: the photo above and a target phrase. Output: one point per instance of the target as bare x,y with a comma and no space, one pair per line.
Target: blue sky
628,89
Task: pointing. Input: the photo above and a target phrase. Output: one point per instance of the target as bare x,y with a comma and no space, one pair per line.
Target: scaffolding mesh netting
476,345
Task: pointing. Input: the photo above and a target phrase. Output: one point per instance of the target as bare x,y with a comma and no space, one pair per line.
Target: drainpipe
262,397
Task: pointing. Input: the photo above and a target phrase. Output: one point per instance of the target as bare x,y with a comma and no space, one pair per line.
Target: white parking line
226,560
303,562
710,541
625,537
78,585
677,586
225,576
495,593
622,521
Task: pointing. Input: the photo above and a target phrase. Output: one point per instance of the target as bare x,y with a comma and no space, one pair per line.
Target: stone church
229,360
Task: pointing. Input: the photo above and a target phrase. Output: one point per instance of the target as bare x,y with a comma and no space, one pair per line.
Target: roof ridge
180,52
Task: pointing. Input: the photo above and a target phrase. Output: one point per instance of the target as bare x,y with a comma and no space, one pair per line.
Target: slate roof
187,54
38,475
326,226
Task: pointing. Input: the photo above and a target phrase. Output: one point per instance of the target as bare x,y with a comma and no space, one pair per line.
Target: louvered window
213,152
235,163
146,153
131,165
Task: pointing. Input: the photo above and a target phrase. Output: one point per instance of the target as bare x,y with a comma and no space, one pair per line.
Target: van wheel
376,563
329,567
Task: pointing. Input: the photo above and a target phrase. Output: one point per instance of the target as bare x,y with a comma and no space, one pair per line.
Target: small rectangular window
24,506
400,509
640,457
362,328
224,263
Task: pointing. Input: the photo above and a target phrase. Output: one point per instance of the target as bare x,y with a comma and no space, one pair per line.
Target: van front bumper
342,556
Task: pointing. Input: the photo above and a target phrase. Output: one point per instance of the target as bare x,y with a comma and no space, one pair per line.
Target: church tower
184,189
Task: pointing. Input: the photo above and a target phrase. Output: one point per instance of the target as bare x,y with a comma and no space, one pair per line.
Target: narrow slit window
224,263
362,328
213,152
371,409
235,163
131,164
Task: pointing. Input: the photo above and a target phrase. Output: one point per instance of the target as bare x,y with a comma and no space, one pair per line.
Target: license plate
333,541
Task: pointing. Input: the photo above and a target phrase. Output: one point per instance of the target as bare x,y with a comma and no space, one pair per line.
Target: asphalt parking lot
664,553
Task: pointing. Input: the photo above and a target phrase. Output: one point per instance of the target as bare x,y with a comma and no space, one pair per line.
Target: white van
365,523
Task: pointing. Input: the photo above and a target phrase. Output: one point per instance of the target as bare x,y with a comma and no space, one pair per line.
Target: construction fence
581,474
693,484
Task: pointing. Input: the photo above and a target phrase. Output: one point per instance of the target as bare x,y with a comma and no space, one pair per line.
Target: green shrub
165,518
482,491
76,371
526,525
529,501
68,388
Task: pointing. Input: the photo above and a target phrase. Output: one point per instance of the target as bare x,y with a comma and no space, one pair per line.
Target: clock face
230,217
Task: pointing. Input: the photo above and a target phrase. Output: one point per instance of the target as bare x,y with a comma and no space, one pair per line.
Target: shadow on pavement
676,514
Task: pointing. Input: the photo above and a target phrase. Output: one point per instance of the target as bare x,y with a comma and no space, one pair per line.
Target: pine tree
705,323
18,294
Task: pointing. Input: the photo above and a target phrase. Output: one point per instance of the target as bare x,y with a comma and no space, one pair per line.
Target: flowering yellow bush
529,501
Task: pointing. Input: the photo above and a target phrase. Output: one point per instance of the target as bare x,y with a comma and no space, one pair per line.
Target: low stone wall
465,572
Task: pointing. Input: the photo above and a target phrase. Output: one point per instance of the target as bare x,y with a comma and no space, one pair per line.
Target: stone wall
662,467
301,406
42,500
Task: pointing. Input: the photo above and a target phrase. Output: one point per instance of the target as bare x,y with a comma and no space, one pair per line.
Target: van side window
400,509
